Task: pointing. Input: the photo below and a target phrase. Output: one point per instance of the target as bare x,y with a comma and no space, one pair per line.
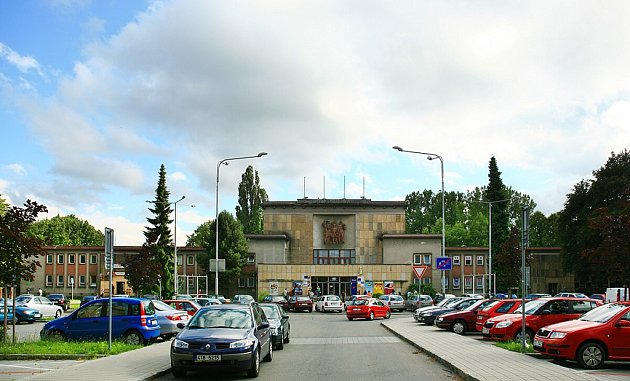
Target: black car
279,324
88,298
232,336
60,300
428,317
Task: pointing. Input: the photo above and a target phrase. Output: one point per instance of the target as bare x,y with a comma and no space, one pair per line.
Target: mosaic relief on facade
334,232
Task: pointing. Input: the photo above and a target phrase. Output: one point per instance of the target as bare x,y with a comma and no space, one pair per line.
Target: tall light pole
216,219
433,156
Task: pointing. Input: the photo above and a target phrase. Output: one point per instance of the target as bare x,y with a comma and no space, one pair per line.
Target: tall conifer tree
495,192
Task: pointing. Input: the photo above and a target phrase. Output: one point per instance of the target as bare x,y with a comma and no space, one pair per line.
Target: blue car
233,336
22,313
133,321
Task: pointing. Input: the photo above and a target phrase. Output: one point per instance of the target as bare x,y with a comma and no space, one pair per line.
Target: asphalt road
326,346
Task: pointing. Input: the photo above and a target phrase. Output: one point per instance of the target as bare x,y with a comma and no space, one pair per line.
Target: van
617,294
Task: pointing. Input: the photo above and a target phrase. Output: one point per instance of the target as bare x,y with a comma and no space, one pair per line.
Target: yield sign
419,270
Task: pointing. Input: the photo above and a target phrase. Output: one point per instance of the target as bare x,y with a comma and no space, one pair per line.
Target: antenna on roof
363,188
304,187
324,187
344,187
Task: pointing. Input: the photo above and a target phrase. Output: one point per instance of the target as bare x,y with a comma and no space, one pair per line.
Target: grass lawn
44,347
515,346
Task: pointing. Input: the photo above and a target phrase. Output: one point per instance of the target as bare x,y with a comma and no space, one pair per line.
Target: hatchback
278,323
168,318
329,303
598,335
367,309
300,303
60,300
133,321
462,321
498,307
233,336
395,302
184,305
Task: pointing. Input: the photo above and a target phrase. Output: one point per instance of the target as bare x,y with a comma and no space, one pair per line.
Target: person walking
39,292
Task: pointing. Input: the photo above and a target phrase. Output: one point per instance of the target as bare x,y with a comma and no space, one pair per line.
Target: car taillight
143,321
174,317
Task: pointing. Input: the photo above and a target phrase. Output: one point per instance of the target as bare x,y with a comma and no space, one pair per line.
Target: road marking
25,367
345,340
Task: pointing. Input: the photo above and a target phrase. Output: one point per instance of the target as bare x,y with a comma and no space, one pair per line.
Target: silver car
167,318
418,301
394,302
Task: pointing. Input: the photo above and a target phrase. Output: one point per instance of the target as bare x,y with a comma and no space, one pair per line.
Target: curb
21,357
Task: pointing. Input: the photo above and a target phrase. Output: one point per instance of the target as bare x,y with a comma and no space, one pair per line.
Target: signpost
419,270
444,263
109,265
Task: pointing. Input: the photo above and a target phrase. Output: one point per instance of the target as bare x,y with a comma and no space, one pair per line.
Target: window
480,260
60,259
427,280
334,257
70,281
93,259
49,258
59,280
251,258
242,282
251,282
479,282
456,283
190,260
468,260
417,259
505,307
71,259
456,260
81,280
49,280
468,282
427,259
81,259
92,281
179,260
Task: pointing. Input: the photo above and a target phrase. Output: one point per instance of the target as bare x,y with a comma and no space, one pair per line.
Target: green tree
141,270
593,210
249,210
3,206
67,231
18,248
202,235
509,259
158,234
496,192
543,231
233,248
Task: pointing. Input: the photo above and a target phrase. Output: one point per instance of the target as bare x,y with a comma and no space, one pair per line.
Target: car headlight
426,315
504,324
28,312
276,331
180,344
242,344
557,335
440,319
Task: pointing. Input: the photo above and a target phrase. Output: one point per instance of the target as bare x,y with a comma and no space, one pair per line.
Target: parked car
278,323
278,299
537,296
350,299
462,321
439,297
243,299
601,297
22,313
329,303
599,335
60,300
133,321
168,318
418,301
428,317
570,295
444,303
300,303
395,302
184,305
206,301
496,308
367,309
88,298
41,304
233,336
221,298
538,313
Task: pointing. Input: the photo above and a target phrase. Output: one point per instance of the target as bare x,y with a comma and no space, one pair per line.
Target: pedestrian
285,293
343,296
39,292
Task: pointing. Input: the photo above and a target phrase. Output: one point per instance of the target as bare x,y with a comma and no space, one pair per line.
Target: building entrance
332,285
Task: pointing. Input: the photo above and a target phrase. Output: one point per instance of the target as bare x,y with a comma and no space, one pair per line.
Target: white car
41,303
329,303
393,301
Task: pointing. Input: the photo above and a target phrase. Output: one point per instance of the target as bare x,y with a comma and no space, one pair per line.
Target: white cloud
22,63
16,169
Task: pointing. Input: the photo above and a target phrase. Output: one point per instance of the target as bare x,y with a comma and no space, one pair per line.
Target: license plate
356,309
207,358
538,343
485,331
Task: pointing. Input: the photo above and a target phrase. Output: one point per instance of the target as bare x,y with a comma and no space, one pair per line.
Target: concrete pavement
464,355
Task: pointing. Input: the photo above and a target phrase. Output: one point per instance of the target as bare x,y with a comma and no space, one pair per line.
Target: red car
184,305
496,308
367,309
300,303
538,313
464,320
599,335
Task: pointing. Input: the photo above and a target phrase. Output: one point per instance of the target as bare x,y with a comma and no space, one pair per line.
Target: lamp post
216,218
433,156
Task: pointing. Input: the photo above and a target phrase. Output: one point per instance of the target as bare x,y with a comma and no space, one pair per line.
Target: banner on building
378,288
273,288
389,287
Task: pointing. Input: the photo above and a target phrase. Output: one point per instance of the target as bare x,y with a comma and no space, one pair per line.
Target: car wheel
459,327
280,345
591,356
56,336
371,317
178,372
287,339
387,315
133,338
255,368
58,314
349,318
269,356
528,335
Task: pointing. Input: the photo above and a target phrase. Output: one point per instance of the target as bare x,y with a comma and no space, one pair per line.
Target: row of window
468,282
425,259
247,282
71,258
70,281
334,257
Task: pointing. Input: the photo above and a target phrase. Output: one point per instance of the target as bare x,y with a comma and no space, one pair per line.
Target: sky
96,95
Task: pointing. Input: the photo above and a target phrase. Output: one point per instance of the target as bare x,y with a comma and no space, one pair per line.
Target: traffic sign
443,263
419,270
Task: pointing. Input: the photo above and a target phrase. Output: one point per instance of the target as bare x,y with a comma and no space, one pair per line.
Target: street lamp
433,156
216,219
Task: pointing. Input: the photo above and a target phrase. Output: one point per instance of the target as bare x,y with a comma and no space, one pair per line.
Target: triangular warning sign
419,270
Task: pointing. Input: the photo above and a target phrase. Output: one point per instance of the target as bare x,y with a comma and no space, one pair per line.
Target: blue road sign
443,263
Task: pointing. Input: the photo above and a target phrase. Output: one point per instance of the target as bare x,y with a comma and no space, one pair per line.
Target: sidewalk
479,361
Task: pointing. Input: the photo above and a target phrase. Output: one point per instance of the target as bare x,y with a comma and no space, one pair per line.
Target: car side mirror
263,325
181,325
545,312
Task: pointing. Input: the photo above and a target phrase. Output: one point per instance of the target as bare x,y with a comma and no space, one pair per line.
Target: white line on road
25,367
344,340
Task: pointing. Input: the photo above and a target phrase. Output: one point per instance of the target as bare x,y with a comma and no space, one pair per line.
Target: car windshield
475,305
161,306
23,299
361,302
603,313
271,312
531,307
221,318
